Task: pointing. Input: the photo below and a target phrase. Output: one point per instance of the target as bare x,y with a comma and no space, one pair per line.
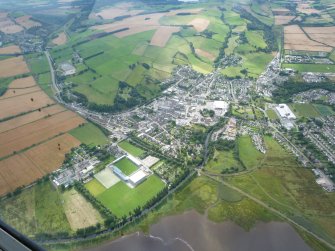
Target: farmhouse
67,69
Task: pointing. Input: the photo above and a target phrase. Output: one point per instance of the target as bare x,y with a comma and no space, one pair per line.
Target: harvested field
26,22
18,171
24,103
49,156
79,212
325,35
205,54
39,131
61,39
133,25
199,24
114,12
280,20
8,26
188,11
306,9
21,86
296,39
22,83
280,11
162,35
29,118
10,49
18,92
13,66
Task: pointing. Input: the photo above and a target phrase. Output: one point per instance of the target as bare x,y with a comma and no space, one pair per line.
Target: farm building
67,69
285,112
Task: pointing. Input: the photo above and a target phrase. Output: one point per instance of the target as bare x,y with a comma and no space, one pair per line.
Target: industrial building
285,112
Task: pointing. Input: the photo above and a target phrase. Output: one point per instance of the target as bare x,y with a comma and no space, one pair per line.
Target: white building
285,112
67,69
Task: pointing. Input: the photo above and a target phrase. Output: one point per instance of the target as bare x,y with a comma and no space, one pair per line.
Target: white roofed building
285,112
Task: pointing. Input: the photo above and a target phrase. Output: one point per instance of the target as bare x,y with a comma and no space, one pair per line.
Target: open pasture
206,54
130,148
60,39
30,117
10,49
39,131
162,35
26,22
27,102
13,66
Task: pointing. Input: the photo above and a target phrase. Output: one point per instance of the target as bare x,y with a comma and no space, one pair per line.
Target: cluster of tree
224,46
94,55
255,24
88,230
284,92
225,145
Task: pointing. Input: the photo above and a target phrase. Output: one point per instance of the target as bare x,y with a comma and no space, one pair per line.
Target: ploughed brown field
280,20
25,168
280,11
139,23
325,35
10,49
30,117
33,134
26,22
41,130
13,66
296,39
7,25
200,24
162,35
60,39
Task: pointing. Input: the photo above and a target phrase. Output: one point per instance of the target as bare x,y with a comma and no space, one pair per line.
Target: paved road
272,210
53,77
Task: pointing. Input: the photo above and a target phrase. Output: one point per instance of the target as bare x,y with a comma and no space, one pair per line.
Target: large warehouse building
285,112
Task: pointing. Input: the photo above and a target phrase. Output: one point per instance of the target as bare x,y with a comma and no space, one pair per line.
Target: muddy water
192,231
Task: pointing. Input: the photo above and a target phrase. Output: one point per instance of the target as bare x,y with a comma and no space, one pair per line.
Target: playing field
126,166
130,148
107,178
95,187
304,110
121,199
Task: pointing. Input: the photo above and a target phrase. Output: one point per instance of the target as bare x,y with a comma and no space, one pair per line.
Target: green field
248,154
272,114
256,39
37,210
304,110
89,134
324,110
310,67
126,166
95,187
222,160
121,199
130,148
285,185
